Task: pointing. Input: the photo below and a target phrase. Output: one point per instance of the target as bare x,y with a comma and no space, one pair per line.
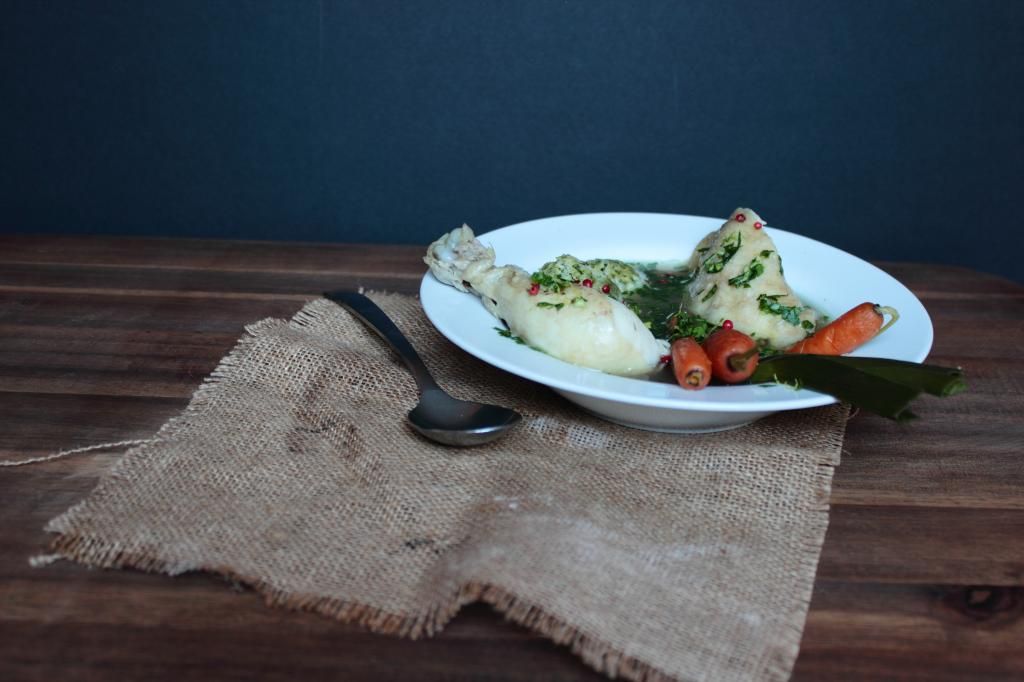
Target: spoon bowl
445,419
438,416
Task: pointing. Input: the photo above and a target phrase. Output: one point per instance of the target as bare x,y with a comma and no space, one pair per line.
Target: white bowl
823,276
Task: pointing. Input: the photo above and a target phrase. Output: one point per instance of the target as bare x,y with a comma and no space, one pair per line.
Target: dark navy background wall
891,128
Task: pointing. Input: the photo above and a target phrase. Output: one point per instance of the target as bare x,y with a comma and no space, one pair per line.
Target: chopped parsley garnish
754,270
769,303
711,292
548,283
766,253
507,333
578,301
780,266
716,261
545,304
807,324
688,325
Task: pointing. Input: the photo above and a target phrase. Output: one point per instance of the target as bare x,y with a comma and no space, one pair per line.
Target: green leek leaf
932,379
885,387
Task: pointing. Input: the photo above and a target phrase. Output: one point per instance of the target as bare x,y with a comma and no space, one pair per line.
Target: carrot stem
739,361
891,312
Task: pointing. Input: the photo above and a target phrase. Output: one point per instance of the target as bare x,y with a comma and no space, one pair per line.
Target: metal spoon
438,416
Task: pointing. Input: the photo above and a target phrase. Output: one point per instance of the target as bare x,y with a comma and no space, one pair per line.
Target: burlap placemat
653,556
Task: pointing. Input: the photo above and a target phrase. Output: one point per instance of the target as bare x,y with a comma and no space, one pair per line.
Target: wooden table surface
103,339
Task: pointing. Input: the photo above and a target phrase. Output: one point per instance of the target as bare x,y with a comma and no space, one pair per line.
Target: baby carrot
850,330
733,355
690,364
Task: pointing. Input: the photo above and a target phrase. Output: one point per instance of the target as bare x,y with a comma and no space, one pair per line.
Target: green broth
659,300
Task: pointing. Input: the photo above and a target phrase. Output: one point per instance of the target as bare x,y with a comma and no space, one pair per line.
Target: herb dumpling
620,277
574,323
739,277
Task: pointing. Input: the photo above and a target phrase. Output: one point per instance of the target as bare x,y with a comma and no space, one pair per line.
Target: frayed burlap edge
596,653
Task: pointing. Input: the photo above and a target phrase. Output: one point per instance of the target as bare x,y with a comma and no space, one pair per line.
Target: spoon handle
377,320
